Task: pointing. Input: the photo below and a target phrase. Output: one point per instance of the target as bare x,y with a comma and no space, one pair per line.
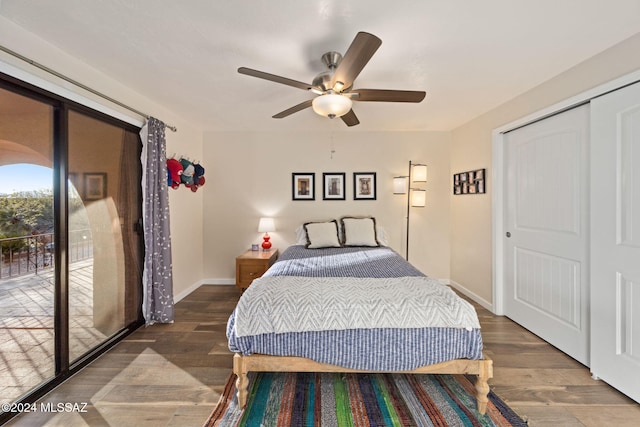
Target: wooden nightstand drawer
248,272
253,264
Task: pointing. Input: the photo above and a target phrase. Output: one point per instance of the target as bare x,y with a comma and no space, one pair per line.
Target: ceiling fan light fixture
333,85
331,105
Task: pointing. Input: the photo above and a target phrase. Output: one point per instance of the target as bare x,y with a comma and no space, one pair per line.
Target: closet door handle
508,234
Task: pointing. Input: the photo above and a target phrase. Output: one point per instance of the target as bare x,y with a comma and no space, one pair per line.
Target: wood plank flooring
172,375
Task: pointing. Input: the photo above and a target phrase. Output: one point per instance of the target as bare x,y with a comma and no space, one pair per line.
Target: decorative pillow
359,231
322,234
301,234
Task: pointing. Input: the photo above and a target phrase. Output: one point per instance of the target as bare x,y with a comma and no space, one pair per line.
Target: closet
615,239
570,225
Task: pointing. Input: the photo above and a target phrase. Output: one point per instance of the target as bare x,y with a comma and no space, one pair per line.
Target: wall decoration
183,171
303,185
333,186
364,186
471,182
95,185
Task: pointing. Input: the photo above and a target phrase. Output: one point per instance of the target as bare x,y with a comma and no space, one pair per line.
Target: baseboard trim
207,282
217,282
187,291
457,286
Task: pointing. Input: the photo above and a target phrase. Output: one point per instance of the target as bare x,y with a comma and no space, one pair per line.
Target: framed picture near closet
470,182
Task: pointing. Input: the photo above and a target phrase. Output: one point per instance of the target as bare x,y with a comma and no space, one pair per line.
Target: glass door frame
63,368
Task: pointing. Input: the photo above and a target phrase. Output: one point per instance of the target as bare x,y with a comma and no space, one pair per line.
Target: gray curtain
130,212
157,276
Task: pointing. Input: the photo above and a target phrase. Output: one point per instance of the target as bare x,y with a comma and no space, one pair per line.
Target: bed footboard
242,365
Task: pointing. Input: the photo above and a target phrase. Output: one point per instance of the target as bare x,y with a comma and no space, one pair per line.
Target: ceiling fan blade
383,95
362,48
294,109
350,119
274,78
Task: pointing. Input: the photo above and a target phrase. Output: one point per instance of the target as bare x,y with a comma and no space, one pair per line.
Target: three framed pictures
333,186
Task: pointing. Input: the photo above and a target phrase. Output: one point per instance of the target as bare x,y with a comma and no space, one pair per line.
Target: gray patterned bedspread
382,349
378,262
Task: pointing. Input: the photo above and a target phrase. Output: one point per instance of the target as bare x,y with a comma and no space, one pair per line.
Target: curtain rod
78,84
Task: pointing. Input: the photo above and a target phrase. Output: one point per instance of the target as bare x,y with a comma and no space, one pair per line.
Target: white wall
186,207
249,176
471,235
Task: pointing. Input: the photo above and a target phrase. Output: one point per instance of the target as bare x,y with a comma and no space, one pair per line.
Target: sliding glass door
70,215
27,265
104,248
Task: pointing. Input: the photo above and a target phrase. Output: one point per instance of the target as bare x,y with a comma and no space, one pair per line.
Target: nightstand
253,264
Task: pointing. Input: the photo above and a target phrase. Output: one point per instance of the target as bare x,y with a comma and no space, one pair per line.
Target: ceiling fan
335,86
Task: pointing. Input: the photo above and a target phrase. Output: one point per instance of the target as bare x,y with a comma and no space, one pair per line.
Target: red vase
266,245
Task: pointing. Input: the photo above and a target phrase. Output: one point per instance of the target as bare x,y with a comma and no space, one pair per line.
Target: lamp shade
419,173
266,225
418,198
331,105
400,185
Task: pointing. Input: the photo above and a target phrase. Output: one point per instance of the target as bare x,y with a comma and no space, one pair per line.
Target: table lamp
265,226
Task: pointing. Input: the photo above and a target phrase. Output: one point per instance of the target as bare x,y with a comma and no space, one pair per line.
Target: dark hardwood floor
172,375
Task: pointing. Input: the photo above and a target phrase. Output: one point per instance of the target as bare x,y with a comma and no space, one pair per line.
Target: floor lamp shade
419,173
400,185
418,198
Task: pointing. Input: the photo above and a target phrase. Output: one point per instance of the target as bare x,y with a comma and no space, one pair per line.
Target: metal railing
34,254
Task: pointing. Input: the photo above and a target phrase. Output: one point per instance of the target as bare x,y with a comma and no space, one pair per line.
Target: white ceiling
468,55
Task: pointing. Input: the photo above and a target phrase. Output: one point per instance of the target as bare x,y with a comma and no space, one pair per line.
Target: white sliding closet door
615,239
546,223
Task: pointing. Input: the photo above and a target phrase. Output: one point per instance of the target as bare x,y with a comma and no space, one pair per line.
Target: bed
337,308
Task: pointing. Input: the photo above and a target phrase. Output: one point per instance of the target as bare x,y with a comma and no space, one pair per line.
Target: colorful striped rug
333,399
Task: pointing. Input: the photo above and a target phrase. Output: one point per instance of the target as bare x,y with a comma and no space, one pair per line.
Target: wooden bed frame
242,365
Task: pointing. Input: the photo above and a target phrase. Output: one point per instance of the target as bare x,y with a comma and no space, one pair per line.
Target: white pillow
381,236
359,231
301,235
322,234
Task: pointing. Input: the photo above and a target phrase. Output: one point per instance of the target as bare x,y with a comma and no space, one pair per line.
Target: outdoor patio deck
26,326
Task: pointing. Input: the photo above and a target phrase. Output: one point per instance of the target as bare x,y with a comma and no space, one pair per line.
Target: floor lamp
416,197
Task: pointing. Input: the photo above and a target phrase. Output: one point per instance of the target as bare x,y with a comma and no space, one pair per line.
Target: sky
24,177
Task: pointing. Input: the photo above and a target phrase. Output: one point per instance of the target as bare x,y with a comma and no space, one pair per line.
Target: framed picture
471,182
364,186
304,187
333,186
95,185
